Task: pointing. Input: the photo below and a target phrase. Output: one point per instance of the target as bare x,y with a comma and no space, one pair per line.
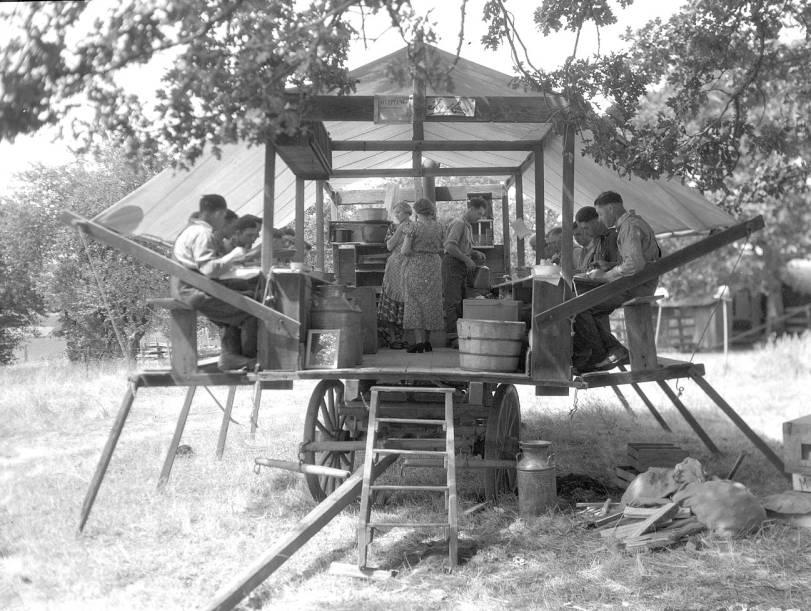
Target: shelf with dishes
359,232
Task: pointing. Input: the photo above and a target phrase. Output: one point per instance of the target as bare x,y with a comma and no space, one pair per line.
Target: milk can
536,478
332,310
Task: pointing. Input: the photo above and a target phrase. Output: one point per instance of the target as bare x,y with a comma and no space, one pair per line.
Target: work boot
235,362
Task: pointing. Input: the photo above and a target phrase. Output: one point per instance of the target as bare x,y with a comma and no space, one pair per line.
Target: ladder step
408,525
412,421
395,487
385,451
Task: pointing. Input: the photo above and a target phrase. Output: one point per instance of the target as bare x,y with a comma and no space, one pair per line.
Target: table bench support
106,454
173,445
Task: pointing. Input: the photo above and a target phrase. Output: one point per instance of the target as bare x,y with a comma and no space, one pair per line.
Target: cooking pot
343,235
374,232
372,214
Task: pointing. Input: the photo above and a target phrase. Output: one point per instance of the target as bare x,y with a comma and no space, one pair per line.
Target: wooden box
797,445
307,153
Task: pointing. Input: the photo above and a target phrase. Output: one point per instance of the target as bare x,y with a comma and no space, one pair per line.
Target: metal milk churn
332,310
536,478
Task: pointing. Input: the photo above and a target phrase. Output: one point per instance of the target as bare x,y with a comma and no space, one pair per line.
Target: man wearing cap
458,261
196,248
637,247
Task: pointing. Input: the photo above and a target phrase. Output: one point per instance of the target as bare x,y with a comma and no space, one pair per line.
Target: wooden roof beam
377,196
412,173
433,145
498,109
521,168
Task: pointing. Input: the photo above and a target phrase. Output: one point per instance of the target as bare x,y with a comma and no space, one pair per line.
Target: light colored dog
658,483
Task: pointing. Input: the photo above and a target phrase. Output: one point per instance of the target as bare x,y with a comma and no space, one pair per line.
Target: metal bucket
489,345
332,310
537,491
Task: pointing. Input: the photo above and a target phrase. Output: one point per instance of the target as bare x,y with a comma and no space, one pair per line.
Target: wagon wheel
324,422
501,440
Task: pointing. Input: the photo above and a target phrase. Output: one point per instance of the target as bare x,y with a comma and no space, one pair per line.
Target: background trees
47,262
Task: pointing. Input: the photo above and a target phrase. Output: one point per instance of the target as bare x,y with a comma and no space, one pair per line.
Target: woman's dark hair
425,207
212,202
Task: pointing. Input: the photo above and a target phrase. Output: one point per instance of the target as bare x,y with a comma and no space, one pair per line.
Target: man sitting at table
637,247
196,249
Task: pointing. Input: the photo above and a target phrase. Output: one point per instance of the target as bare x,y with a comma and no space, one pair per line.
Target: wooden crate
797,445
801,482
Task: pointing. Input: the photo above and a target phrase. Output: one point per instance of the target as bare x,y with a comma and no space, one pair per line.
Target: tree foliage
232,61
52,259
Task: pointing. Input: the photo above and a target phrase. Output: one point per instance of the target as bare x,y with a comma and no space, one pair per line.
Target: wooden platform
397,365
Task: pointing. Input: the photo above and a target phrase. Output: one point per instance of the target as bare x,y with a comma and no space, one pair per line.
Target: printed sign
449,106
394,109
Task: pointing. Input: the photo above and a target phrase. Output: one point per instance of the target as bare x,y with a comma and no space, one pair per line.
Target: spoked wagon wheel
501,440
324,422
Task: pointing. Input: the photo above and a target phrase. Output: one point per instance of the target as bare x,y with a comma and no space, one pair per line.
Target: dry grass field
142,549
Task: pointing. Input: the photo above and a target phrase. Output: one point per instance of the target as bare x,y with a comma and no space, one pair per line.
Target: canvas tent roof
160,208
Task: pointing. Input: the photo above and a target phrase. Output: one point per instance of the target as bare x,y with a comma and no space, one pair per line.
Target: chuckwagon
386,403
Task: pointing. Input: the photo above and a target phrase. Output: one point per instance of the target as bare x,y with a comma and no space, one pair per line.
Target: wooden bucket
490,345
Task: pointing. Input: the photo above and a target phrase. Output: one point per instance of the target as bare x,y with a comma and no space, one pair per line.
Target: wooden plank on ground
663,514
310,525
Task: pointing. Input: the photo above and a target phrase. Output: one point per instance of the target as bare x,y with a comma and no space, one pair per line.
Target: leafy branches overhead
232,60
722,63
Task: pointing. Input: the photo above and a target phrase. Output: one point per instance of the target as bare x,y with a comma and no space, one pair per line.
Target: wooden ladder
366,526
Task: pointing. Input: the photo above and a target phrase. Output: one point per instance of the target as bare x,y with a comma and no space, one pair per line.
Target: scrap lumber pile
645,455
640,527
642,455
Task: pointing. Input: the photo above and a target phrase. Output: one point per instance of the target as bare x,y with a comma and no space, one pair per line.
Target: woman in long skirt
422,284
390,308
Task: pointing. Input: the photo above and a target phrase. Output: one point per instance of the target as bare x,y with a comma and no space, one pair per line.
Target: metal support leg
689,417
623,400
257,399
172,451
106,454
649,405
226,418
744,428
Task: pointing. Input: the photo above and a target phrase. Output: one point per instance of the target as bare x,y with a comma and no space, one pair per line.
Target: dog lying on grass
725,507
658,483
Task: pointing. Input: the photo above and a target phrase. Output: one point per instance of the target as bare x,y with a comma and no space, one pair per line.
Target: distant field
173,550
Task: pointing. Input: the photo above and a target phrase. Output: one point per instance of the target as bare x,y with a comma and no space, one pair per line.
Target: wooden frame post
688,417
106,454
418,108
319,225
519,214
540,204
505,229
226,419
269,197
739,422
166,470
299,220
567,204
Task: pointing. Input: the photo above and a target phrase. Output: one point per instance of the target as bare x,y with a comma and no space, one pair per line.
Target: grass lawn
144,549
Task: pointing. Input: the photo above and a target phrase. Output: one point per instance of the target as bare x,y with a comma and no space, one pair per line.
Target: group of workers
219,244
614,243
426,276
